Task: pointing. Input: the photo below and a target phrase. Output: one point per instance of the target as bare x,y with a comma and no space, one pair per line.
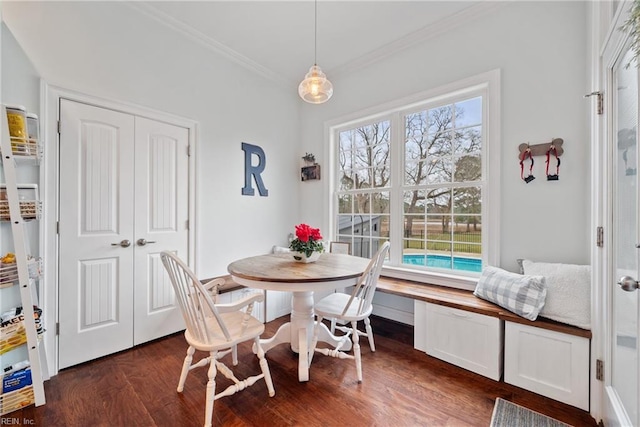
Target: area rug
507,414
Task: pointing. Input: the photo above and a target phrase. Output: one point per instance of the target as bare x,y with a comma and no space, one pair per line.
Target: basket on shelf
17,399
25,148
9,271
29,210
13,332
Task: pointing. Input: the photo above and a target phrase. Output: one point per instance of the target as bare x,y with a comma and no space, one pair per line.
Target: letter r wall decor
253,171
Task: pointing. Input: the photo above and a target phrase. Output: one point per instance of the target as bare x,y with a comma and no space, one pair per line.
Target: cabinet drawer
547,362
469,340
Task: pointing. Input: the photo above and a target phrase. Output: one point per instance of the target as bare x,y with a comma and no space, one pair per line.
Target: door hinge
57,328
599,370
600,237
57,227
188,151
187,224
59,126
599,101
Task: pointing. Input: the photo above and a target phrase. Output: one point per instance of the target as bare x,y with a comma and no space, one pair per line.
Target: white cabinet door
123,200
278,303
469,340
547,362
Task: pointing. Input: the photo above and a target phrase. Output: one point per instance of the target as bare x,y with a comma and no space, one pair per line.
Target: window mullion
397,183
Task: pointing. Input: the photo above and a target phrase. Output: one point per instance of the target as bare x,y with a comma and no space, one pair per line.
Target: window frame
486,85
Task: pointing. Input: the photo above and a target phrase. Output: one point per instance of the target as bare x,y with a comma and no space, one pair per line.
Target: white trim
49,112
615,407
445,25
207,42
458,281
488,85
597,157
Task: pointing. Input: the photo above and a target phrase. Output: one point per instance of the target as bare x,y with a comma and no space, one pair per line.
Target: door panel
96,204
621,406
161,206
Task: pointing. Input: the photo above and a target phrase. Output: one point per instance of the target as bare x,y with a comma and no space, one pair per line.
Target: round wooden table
280,272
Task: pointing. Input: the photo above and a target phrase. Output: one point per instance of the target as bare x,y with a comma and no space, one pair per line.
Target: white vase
302,257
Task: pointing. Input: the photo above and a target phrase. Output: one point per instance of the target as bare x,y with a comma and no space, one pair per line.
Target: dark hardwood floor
401,387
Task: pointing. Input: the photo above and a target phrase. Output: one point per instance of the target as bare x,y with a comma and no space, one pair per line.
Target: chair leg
264,366
314,340
211,390
367,326
234,355
333,325
185,368
356,350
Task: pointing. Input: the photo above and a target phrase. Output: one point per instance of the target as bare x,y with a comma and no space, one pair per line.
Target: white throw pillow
522,295
568,291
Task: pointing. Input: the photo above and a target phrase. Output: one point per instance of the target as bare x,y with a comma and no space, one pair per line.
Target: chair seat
332,306
238,334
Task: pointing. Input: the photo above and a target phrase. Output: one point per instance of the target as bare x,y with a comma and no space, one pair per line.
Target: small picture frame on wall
310,172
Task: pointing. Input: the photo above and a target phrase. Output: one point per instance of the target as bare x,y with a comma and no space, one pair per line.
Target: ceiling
276,38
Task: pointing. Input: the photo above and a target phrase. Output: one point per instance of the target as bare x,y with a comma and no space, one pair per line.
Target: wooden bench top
449,297
229,284
465,300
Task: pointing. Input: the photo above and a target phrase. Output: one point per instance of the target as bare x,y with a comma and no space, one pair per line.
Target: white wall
112,51
20,80
540,48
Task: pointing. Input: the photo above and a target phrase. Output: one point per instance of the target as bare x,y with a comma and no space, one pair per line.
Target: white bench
543,356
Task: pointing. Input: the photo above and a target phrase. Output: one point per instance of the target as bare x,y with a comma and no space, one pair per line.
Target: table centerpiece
307,246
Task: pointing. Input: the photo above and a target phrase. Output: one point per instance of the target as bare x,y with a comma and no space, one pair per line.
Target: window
419,175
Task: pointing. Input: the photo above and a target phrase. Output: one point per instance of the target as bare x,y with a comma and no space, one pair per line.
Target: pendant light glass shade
315,88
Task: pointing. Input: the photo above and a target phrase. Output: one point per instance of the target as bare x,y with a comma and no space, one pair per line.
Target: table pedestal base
299,333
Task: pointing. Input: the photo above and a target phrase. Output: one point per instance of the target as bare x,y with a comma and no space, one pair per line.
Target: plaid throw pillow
522,295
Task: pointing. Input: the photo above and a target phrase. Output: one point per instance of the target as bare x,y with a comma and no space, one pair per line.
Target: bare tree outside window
441,187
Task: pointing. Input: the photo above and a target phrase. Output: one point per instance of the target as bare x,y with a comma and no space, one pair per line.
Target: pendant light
315,88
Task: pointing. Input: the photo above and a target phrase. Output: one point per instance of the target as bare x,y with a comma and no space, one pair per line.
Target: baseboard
393,314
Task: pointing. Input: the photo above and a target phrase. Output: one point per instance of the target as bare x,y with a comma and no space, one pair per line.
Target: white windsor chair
351,309
216,329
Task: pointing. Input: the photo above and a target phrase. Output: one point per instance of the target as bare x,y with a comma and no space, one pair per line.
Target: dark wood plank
401,386
450,297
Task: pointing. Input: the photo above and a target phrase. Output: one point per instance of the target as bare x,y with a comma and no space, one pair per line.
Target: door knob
142,242
124,243
628,284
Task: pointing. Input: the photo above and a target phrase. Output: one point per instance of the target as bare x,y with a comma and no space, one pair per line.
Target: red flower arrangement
307,241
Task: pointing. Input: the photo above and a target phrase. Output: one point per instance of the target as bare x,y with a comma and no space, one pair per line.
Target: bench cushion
521,294
568,291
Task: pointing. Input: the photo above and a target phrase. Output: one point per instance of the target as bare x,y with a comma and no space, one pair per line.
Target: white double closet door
123,199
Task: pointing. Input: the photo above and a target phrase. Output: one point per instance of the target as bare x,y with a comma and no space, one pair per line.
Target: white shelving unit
18,283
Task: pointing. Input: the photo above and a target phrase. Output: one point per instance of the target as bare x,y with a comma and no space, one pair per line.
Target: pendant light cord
315,34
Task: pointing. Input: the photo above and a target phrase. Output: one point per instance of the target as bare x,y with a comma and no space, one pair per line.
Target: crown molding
430,31
206,41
